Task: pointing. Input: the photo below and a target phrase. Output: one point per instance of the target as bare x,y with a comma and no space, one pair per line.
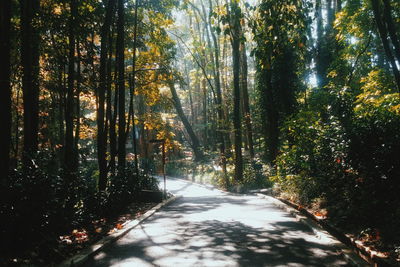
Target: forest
299,96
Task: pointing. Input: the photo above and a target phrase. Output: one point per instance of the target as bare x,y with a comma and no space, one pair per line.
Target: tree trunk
101,135
271,126
235,41
319,64
246,105
69,158
30,79
198,155
220,111
137,2
78,102
383,33
121,86
5,90
391,28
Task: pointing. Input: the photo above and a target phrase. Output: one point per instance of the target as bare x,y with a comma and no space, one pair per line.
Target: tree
387,33
70,153
279,52
195,144
30,67
219,102
101,134
121,86
236,38
245,95
5,89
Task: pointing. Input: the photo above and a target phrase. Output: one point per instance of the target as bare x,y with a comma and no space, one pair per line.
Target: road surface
208,227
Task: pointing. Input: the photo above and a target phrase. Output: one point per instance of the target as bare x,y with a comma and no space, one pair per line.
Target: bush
347,158
38,204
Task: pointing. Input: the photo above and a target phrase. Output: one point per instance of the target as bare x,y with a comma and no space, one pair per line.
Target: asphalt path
209,227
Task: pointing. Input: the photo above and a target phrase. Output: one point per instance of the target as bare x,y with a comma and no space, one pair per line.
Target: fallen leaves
77,236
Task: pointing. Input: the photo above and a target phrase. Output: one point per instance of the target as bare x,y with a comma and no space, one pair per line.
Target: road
208,227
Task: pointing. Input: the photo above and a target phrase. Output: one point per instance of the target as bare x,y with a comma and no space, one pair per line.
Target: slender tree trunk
246,105
135,30
391,28
111,109
69,161
78,102
330,11
198,155
113,131
338,5
383,33
220,111
235,41
101,135
319,64
30,79
205,112
142,137
5,90
61,111
224,88
121,86
16,129
271,119
192,117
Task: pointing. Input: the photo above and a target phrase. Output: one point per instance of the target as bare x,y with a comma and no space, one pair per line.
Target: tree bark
30,79
101,135
391,28
245,94
69,157
271,126
135,35
78,102
235,41
121,86
220,111
319,50
5,89
383,33
198,155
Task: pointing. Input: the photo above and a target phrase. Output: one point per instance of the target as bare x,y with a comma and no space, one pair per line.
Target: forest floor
54,249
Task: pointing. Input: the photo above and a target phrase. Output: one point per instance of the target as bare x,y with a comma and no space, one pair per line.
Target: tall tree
121,85
5,89
195,144
218,91
245,95
101,134
235,36
70,159
133,85
279,55
30,68
388,35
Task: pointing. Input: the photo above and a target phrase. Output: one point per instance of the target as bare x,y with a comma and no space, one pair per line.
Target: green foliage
351,163
35,204
255,176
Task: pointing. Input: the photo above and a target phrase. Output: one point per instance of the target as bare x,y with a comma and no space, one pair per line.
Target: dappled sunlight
213,228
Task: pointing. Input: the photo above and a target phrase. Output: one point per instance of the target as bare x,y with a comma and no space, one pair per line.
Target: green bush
349,158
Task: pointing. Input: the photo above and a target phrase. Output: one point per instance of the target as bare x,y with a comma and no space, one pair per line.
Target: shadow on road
197,241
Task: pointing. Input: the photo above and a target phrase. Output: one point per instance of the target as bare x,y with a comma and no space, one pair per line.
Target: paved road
207,227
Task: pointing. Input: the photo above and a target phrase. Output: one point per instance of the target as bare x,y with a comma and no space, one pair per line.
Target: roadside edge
80,258
349,255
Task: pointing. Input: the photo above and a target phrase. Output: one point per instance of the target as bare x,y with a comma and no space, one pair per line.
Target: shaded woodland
301,96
